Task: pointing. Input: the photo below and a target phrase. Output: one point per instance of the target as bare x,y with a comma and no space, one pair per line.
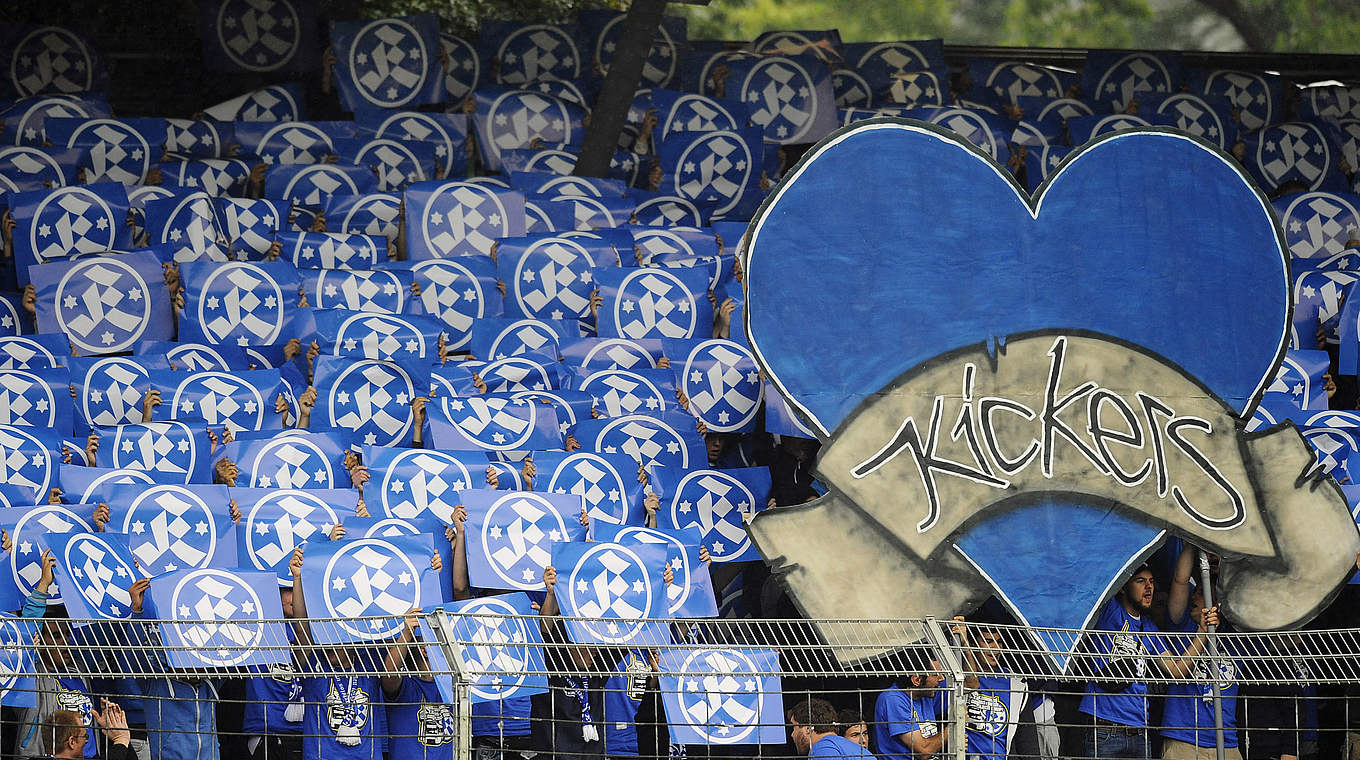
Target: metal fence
723,688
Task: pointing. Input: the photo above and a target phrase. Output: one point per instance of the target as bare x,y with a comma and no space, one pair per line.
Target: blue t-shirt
420,722
267,699
339,707
502,717
993,714
897,712
1189,713
622,698
1130,706
836,746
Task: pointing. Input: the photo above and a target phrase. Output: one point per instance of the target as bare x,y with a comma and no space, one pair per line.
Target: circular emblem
646,439
782,98
241,301
373,399
495,643
219,398
611,587
51,59
102,576
218,617
716,168
653,303
728,699
71,220
461,218
723,385
535,52
120,154
465,67
450,292
717,504
389,61
421,482
515,525
282,521
258,35
595,480
103,305
385,585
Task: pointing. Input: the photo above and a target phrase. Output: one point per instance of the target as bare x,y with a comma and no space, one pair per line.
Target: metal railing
714,680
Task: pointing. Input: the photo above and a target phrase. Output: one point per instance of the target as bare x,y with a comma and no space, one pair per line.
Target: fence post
453,655
952,661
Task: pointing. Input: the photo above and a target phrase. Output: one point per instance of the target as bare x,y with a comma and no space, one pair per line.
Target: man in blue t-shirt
623,694
907,720
812,725
1117,704
1188,718
993,699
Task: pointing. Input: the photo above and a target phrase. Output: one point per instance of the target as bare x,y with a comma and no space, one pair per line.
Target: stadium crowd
422,249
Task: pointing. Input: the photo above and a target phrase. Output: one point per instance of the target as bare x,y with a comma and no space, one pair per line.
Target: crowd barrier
724,684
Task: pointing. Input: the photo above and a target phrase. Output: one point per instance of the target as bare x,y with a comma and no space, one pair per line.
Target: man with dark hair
851,725
994,698
1119,710
813,728
906,719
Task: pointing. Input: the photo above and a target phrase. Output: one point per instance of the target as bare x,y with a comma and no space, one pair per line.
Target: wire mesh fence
509,686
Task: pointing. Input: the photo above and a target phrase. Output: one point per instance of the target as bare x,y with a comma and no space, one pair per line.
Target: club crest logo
379,336
160,446
496,423
25,560
374,214
1297,150
388,60
291,462
373,399
101,576
26,400
1249,93
1193,115
553,279
463,218
724,704
1012,80
258,35
465,67
451,293
659,68
782,98
517,535
119,153
113,390
610,585
51,59
717,166
536,52
646,439
418,482
718,505
384,583
103,305
723,385
71,221
653,303
1318,225
218,616
618,393
170,528
219,398
280,522
294,142
240,302
596,481
1131,75
524,336
518,118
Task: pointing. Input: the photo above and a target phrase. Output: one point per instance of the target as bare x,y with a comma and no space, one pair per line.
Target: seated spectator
813,728
908,721
850,724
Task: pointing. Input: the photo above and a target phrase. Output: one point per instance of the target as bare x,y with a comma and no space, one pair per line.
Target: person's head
64,734
286,600
852,726
809,720
716,444
928,681
1136,595
54,640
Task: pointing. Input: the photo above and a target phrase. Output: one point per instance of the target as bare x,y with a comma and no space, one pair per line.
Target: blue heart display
960,256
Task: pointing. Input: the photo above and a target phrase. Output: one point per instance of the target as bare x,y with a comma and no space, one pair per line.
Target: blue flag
1203,116
92,485
382,290
291,459
204,138
608,483
790,97
109,391
525,372
68,221
241,400
1081,129
529,53
375,214
50,59
548,277
718,503
498,338
620,392
171,527
517,119
678,112
714,168
170,448
276,103
720,379
457,292
1115,77
722,696
511,535
1257,98
669,210
214,618
17,686
238,302
1299,380
381,578
27,526
617,587
584,212
370,397
187,225
119,150
1295,151
279,35
447,219
215,176
690,594
416,483
29,460
34,168
104,304
312,186
611,353
196,357
502,648
288,143
388,63
371,335
275,521
26,118
669,440
396,162
498,422
654,303
446,131
329,250
95,571
39,398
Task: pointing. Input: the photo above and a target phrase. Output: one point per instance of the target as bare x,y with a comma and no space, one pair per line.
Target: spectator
1119,711
56,688
1188,718
634,674
994,699
65,735
274,709
906,720
813,728
850,724
420,721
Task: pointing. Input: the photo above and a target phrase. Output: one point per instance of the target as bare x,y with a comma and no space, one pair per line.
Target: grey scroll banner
1092,419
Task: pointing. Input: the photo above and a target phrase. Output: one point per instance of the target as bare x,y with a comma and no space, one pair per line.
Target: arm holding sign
1184,665
394,661
301,631
457,535
35,606
549,608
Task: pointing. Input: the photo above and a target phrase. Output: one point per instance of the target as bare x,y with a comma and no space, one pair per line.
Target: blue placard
214,618
510,535
173,527
381,578
669,440
388,62
608,483
95,571
104,304
716,502
717,696
690,594
501,422
507,659
654,303
275,521
616,588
